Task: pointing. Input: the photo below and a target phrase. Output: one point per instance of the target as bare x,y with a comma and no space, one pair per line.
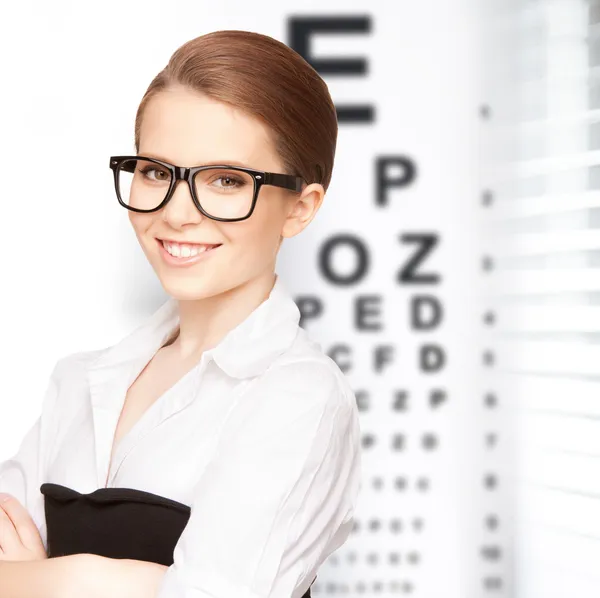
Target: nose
181,207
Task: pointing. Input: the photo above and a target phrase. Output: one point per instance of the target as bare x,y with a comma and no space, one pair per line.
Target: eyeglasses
221,192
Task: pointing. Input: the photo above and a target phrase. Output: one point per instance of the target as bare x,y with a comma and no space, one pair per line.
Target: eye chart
393,280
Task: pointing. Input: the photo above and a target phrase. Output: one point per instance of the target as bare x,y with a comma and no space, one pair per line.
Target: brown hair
268,80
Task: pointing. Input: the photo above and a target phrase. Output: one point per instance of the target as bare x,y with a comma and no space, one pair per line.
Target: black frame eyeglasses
184,173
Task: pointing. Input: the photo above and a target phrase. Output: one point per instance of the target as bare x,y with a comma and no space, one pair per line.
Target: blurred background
451,273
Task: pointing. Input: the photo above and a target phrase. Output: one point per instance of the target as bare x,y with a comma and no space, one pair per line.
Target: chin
190,292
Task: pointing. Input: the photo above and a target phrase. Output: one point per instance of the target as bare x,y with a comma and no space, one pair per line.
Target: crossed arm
27,572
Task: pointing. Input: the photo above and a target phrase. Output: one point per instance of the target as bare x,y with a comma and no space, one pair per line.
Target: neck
204,322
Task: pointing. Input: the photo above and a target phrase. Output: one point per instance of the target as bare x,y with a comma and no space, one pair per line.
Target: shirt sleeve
22,474
279,495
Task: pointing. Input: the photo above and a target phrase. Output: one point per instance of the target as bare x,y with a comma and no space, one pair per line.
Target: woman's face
186,128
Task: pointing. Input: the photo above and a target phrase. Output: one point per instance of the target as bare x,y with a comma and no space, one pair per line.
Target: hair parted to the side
268,80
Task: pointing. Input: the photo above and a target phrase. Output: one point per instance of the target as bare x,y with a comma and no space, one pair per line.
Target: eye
156,174
231,181
223,181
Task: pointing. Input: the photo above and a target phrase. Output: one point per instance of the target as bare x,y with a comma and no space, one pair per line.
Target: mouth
185,253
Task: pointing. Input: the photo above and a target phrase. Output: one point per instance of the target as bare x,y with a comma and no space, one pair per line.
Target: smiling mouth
186,250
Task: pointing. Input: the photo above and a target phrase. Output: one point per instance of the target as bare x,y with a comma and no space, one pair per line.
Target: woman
214,451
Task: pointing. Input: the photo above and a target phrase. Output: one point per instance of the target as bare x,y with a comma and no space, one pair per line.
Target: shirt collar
246,350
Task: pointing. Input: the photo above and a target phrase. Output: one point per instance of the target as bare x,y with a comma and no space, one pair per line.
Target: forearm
44,578
78,575
123,578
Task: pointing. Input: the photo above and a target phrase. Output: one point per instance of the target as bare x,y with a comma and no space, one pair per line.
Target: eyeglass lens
222,192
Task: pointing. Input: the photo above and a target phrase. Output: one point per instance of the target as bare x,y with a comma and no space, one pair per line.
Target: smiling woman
192,129
216,439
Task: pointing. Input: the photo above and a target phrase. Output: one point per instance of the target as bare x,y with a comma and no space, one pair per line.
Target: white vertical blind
544,234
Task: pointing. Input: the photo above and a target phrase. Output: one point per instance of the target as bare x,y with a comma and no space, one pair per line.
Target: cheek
256,236
260,233
252,239
134,219
140,223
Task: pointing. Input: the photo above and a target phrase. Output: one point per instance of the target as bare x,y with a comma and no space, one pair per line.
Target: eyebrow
209,163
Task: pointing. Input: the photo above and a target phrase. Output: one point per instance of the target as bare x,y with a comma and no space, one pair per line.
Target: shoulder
68,380
63,387
301,403
302,379
73,364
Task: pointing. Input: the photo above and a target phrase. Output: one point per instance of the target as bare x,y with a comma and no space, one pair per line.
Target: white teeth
184,250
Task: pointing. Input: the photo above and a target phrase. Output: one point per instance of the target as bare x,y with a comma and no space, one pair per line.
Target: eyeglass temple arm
287,181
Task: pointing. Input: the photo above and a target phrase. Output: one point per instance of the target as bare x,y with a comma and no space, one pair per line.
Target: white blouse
261,439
